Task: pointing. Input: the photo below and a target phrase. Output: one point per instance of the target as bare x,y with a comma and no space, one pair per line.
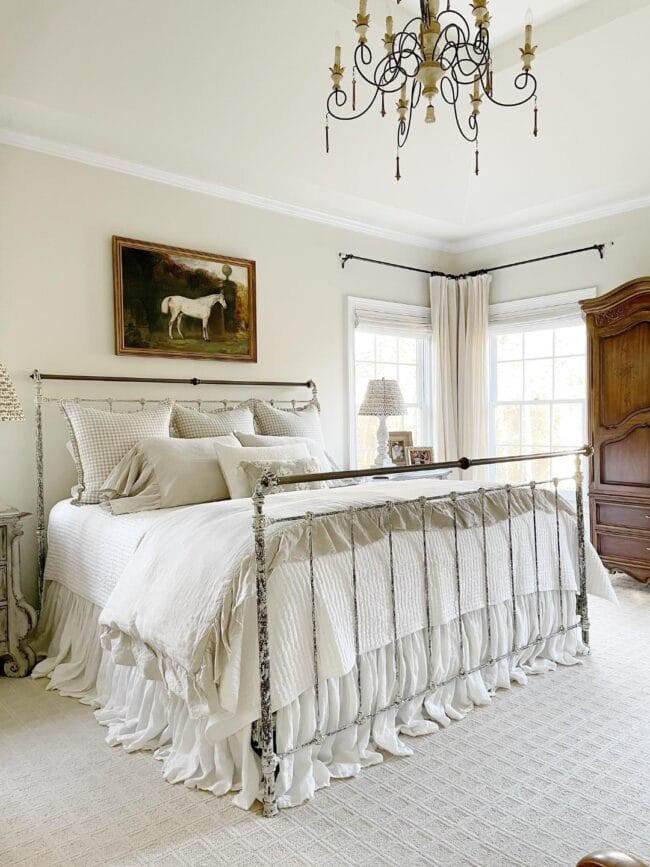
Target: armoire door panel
624,374
626,461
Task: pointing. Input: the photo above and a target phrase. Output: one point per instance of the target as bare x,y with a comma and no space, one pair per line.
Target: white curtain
459,317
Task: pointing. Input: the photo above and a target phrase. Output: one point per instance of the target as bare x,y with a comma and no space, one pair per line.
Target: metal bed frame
264,733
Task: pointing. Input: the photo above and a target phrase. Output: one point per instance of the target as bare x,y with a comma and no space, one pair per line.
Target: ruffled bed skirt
141,715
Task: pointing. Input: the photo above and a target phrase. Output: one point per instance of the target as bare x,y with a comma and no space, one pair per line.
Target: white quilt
184,606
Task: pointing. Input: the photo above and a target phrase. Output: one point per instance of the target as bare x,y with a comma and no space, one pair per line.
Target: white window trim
389,310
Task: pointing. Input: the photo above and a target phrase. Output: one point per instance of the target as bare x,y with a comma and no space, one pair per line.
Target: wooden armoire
618,334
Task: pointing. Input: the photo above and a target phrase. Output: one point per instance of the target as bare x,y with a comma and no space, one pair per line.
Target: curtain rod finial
344,258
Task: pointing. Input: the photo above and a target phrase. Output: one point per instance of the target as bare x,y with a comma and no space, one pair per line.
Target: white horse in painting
177,306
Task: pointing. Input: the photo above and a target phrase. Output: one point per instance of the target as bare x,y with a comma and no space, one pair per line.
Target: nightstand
424,474
17,617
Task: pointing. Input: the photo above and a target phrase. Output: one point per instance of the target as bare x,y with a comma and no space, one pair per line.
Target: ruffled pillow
254,470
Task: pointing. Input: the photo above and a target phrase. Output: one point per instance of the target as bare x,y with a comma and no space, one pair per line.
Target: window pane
509,346
562,468
388,371
536,428
408,382
509,380
538,344
570,341
539,380
508,473
364,373
408,350
570,378
508,423
568,423
364,346
386,347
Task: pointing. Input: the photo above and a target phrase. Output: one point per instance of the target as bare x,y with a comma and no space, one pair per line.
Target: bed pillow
254,470
272,421
160,473
190,423
100,439
230,459
315,449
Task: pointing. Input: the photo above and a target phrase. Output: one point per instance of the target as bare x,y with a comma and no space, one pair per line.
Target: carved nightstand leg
20,662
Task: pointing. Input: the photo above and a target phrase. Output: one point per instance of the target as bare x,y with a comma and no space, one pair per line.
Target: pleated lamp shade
383,398
11,409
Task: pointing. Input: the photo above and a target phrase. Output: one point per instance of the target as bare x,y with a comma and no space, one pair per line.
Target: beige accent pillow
100,439
254,470
162,473
190,423
231,458
315,449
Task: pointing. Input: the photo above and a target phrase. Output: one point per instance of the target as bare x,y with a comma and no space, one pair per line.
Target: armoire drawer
623,546
630,517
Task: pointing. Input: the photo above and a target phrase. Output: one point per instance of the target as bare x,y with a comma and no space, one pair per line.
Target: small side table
17,617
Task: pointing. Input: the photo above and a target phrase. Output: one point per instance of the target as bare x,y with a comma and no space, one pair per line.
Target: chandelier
438,53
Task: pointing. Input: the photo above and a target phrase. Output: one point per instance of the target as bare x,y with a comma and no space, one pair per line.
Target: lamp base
383,457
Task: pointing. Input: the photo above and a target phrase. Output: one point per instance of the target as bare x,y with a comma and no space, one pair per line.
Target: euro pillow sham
164,473
100,439
190,423
303,422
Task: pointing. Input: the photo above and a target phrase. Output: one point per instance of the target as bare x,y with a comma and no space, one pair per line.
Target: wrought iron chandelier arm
341,100
521,80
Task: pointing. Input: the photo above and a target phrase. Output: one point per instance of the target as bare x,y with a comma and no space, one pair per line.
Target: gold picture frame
399,442
180,303
419,455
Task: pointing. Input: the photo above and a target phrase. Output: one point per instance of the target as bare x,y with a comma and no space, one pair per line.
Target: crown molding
196,185
472,240
505,236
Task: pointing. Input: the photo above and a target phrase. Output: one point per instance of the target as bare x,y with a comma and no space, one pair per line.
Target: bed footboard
419,516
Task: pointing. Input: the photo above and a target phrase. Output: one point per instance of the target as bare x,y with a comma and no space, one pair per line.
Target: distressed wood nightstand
17,617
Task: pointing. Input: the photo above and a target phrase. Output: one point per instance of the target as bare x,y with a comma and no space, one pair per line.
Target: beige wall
56,313
627,259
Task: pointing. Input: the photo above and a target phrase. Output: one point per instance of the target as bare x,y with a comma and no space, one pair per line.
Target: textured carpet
544,775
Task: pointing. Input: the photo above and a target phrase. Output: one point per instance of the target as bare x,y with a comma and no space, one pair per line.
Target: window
537,397
392,341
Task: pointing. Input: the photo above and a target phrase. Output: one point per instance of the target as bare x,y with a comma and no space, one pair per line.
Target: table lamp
383,399
11,408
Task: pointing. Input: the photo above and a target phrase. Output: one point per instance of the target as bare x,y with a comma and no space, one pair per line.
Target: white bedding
88,548
184,609
204,739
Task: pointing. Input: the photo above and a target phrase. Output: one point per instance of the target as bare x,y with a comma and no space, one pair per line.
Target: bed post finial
265,728
41,538
583,604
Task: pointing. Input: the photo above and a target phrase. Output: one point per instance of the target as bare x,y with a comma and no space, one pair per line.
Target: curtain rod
600,248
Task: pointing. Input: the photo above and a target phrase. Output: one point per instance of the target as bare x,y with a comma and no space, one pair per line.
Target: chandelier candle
436,55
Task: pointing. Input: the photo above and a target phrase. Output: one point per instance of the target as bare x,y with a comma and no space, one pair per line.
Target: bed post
583,605
41,538
265,732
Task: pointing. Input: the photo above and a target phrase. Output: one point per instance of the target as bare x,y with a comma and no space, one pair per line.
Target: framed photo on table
419,455
399,442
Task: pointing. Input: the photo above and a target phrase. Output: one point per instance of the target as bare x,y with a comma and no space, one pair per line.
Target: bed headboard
131,399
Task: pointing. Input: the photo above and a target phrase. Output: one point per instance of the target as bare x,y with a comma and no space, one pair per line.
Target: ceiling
231,99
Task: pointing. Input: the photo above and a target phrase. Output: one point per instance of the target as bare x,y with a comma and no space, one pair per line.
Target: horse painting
177,306
162,294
